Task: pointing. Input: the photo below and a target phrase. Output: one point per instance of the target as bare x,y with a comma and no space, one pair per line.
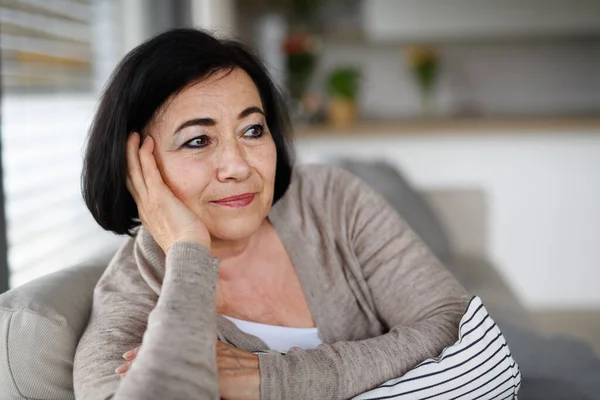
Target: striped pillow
478,366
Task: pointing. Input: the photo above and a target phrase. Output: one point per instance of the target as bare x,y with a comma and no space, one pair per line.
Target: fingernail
121,369
128,355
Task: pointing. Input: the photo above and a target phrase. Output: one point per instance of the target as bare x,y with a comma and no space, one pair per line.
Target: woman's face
213,146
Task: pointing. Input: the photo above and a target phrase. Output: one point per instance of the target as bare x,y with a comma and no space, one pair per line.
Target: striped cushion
478,366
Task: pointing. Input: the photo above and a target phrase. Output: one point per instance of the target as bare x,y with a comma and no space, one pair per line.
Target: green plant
425,64
343,83
298,9
300,62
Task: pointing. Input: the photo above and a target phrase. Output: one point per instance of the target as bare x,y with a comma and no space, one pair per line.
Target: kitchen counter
453,126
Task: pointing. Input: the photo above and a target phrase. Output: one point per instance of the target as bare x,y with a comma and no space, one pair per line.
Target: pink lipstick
238,201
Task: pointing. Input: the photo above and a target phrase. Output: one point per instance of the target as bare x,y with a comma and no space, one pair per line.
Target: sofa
41,321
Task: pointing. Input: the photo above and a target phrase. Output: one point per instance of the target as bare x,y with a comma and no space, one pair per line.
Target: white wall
215,16
420,20
543,194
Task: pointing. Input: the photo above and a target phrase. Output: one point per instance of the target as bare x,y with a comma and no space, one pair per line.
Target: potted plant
425,64
342,87
300,51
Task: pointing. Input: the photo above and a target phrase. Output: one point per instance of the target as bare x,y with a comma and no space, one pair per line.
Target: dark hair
141,83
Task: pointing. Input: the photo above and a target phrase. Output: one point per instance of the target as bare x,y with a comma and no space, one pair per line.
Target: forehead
224,91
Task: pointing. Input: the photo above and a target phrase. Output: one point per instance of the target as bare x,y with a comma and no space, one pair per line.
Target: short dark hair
138,87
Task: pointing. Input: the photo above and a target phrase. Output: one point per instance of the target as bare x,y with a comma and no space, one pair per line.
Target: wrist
193,239
185,258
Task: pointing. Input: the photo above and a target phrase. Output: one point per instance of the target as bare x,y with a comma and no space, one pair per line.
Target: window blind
50,56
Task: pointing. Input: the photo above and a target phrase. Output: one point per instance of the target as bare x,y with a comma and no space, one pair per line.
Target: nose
232,164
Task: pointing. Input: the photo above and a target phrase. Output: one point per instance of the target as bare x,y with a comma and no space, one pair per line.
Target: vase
428,102
342,113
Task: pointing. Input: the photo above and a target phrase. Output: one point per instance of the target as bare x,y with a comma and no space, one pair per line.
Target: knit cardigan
381,301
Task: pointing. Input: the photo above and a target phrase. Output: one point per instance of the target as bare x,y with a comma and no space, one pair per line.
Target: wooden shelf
456,126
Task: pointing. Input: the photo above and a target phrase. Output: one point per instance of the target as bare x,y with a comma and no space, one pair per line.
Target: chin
232,229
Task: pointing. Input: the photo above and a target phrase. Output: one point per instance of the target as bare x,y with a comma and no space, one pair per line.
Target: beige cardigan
381,301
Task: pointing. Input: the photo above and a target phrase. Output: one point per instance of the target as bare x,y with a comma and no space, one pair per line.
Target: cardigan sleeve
178,330
415,297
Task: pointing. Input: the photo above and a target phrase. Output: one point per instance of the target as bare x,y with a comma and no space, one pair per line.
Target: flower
299,44
418,56
424,62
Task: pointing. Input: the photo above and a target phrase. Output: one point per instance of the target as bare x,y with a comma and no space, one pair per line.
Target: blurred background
490,111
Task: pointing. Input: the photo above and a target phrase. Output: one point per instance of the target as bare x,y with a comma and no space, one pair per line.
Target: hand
165,217
129,357
239,373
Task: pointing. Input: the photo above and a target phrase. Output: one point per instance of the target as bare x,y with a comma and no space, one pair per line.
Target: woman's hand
239,374
165,217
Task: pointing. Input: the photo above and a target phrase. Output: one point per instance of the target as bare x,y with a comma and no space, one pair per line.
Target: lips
241,200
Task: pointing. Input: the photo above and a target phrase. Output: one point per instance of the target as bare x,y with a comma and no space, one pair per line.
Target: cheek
185,176
264,160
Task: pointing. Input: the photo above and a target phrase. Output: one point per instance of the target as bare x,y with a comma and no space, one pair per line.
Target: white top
280,338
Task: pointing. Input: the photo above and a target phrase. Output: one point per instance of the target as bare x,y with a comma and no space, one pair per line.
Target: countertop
456,126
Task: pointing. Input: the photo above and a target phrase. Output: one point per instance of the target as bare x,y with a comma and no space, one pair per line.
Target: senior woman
249,277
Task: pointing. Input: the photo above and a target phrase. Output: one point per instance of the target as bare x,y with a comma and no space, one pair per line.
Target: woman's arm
178,359
413,294
178,356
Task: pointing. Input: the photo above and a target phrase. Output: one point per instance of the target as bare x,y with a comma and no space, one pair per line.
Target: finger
230,361
131,354
134,168
221,346
131,189
122,369
233,351
224,362
227,347
150,170
227,351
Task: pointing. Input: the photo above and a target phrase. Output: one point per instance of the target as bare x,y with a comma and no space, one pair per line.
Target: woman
249,277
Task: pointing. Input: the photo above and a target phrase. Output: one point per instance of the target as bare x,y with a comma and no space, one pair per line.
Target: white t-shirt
280,338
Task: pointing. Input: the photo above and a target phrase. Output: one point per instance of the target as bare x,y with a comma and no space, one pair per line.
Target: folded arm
414,296
178,357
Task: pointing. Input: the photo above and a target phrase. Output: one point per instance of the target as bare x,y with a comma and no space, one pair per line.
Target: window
55,56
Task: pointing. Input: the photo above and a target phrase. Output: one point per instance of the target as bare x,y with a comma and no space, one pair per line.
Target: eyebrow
212,122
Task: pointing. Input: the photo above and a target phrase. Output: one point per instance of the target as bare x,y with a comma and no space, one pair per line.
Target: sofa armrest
42,321
482,279
463,214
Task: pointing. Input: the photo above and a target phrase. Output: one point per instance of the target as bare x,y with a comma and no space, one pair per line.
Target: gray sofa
42,321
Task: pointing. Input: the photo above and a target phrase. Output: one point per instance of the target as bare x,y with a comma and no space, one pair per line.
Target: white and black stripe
478,366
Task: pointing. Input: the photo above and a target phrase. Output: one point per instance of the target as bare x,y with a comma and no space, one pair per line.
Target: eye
254,131
197,142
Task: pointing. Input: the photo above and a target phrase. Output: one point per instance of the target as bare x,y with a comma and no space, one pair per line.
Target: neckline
285,218
259,324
